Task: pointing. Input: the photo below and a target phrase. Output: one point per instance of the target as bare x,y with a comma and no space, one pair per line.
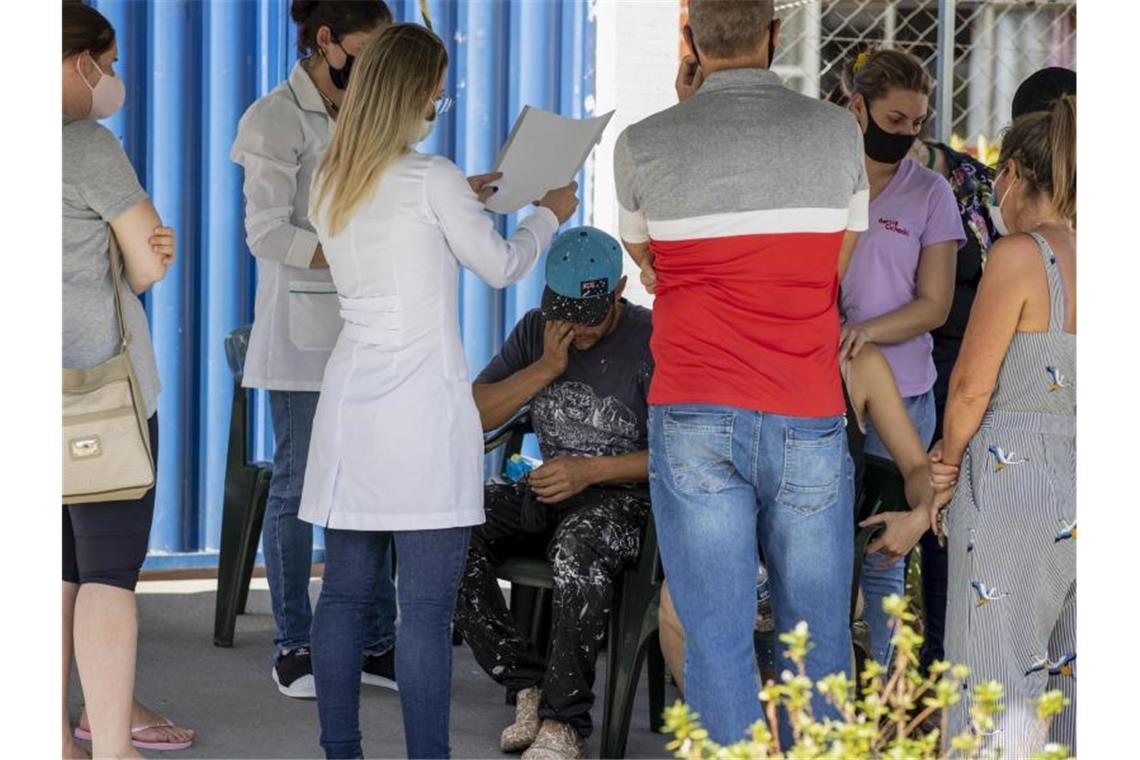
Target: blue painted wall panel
192,67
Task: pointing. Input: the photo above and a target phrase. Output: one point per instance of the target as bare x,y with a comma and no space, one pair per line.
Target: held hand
903,531
689,77
162,244
943,476
563,201
557,337
937,507
561,478
852,338
481,185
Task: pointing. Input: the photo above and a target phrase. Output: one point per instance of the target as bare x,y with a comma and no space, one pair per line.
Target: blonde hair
392,83
1044,147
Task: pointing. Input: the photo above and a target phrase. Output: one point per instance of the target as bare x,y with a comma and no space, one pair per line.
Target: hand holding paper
543,152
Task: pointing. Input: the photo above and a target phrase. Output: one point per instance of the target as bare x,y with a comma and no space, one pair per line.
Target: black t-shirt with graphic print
599,406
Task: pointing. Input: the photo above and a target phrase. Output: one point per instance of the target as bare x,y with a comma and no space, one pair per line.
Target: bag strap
116,283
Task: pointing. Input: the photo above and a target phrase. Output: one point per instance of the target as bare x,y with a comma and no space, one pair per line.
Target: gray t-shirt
599,405
99,184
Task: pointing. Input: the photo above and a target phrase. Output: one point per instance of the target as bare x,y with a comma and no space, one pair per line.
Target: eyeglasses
443,104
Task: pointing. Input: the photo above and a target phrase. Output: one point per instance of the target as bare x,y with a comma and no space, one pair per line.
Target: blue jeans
723,480
287,542
431,563
880,582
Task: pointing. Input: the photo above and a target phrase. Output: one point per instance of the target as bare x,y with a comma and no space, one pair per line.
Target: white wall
637,43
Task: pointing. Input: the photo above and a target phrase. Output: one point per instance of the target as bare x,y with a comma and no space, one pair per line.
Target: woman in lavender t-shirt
900,283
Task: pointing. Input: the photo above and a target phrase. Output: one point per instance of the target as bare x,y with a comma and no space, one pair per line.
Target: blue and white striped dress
1012,596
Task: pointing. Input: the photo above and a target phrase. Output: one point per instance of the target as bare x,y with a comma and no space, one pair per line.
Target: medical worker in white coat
280,140
397,444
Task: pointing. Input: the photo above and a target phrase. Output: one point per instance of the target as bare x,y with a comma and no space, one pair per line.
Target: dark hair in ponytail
1044,147
85,29
341,16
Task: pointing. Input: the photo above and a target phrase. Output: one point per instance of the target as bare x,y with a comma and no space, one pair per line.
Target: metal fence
977,50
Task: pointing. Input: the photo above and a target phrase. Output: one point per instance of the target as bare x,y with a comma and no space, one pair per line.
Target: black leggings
106,542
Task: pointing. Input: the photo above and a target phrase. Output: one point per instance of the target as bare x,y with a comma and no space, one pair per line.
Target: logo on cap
591,288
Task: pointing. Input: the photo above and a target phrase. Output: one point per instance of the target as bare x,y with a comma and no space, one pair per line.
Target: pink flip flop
84,735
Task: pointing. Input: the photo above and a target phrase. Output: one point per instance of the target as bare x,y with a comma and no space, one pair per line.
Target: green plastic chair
632,626
245,493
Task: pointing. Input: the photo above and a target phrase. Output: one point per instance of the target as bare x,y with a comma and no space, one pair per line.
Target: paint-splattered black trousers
589,540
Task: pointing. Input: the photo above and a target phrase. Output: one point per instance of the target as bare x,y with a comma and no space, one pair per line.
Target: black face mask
339,77
884,147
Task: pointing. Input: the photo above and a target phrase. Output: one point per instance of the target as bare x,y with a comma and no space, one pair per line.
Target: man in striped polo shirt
741,204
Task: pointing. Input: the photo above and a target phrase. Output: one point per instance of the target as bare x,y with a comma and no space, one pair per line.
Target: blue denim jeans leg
880,582
431,563
722,480
287,542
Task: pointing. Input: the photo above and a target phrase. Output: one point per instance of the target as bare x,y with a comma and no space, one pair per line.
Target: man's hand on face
562,477
557,337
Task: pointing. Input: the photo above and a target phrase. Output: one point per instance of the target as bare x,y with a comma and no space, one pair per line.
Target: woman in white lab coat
397,443
280,140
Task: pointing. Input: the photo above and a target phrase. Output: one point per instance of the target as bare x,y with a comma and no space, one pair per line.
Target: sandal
85,735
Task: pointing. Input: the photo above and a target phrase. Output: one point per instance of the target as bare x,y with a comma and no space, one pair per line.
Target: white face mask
107,95
995,211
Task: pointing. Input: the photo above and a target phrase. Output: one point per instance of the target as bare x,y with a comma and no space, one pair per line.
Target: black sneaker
293,674
380,670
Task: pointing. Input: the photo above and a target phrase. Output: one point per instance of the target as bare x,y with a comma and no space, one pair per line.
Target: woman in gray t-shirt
104,544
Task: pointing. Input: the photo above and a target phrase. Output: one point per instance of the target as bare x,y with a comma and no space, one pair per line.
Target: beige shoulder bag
106,442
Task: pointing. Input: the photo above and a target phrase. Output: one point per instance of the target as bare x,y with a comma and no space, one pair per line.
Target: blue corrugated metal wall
191,69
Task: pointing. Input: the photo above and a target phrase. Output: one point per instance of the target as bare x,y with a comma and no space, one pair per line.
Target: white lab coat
280,141
397,443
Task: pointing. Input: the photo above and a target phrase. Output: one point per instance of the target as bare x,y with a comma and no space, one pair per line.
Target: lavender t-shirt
914,210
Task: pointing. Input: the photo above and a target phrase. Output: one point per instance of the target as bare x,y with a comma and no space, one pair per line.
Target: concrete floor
227,696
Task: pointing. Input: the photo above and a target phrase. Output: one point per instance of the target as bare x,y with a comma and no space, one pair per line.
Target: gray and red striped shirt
744,192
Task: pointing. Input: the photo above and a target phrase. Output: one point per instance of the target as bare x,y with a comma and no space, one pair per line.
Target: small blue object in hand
519,466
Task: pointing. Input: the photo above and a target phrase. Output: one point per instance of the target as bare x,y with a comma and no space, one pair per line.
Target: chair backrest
237,342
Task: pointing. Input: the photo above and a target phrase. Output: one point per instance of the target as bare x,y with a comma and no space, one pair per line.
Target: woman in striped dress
1010,429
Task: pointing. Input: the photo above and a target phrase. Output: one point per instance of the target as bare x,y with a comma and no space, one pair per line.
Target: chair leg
252,537
629,633
655,671
236,506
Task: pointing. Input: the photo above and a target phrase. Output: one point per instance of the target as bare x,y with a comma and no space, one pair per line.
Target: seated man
583,364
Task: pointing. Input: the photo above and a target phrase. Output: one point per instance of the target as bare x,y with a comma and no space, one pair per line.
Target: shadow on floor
227,696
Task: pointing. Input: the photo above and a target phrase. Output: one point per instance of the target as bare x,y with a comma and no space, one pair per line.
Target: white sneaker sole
369,679
303,688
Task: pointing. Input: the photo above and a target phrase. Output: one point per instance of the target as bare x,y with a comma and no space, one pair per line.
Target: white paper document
543,152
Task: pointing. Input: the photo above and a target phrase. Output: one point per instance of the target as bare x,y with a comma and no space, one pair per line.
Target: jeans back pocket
813,467
698,448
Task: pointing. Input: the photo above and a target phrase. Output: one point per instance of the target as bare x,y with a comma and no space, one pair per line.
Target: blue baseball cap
583,270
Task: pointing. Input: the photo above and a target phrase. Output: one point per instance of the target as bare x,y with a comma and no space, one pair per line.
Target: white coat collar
304,92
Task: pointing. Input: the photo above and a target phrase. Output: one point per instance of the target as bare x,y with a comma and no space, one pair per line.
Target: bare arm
902,530
887,413
498,402
133,230
850,238
623,468
996,312
934,293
